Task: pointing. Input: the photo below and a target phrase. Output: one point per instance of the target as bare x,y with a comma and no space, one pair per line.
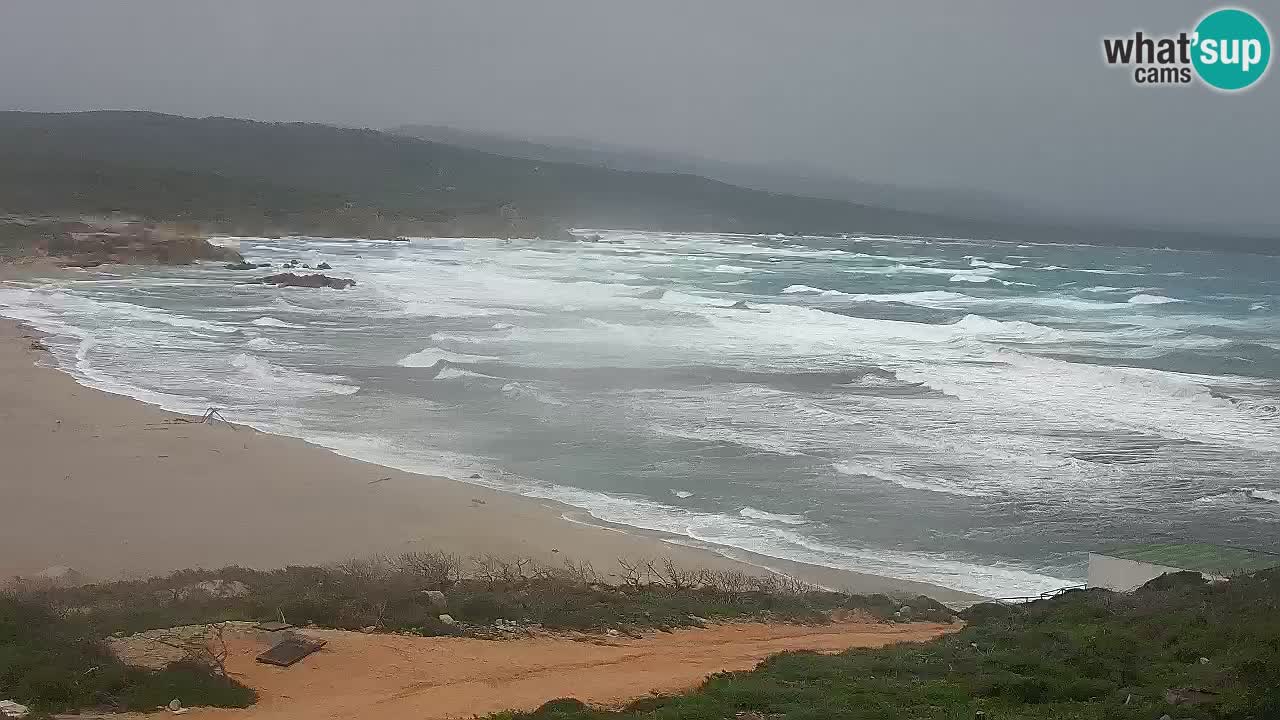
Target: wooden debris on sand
290,650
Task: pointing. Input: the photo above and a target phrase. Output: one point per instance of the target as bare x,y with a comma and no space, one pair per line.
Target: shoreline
185,494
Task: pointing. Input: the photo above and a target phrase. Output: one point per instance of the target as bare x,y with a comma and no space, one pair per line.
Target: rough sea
977,415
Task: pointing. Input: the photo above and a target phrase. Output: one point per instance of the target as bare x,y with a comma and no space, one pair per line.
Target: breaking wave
750,512
1144,299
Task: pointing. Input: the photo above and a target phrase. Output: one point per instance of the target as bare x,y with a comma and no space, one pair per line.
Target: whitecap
274,379
453,373
978,262
1144,299
934,485
733,269
515,390
753,513
430,356
682,494
264,343
268,321
801,289
1271,496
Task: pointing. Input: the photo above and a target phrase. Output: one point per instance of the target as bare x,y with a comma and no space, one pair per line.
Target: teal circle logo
1232,49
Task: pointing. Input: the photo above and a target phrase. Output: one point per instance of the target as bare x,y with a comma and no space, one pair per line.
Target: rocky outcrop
307,281
246,265
136,243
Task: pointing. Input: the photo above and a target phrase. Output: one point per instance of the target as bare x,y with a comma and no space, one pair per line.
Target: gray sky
1011,97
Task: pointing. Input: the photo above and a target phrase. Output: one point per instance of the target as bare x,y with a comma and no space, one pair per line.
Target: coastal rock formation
289,279
246,265
85,246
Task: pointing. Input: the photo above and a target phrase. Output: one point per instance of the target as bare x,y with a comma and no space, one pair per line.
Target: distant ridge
317,178
804,182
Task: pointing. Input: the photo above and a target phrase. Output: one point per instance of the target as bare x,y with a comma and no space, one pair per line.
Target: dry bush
666,573
432,570
208,649
580,572
634,572
498,572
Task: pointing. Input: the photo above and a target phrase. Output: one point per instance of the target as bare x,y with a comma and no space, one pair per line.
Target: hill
308,177
786,180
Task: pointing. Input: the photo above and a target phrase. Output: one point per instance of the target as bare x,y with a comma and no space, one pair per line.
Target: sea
979,415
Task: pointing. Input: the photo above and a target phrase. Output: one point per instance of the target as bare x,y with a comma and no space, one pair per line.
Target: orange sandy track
394,676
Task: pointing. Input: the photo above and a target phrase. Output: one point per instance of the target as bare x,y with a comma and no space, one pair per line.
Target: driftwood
209,417
290,650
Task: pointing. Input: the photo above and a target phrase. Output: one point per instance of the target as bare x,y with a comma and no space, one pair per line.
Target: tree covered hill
302,176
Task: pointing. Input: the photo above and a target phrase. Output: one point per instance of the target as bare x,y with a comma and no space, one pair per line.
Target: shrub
55,663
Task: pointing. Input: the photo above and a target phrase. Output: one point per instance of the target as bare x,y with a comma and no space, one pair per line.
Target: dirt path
392,676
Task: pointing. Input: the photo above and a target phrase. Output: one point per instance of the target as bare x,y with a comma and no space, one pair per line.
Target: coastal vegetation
55,661
53,656
1179,647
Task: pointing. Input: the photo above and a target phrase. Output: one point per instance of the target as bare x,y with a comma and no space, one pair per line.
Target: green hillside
296,176
1176,648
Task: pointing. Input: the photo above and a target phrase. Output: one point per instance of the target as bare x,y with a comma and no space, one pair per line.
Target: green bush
1084,655
56,663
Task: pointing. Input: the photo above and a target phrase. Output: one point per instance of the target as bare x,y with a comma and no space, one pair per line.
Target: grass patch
52,656
389,593
1178,646
56,663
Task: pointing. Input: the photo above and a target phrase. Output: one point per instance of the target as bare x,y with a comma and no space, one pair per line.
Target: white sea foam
760,440
971,278
264,343
935,485
430,356
1008,330
268,321
754,514
732,269
267,377
1144,299
516,390
734,532
682,494
1271,496
1249,495
979,262
454,373
802,290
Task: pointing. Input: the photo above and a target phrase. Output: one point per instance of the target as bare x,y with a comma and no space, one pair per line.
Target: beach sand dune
395,676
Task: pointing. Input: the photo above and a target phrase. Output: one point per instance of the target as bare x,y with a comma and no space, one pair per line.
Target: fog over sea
976,415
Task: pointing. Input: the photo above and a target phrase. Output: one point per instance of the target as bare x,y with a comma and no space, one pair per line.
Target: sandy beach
113,487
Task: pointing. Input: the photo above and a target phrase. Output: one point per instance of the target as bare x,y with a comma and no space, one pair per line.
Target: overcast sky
1011,97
